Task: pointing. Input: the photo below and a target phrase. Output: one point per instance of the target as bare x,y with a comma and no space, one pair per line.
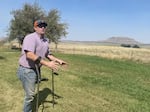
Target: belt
27,67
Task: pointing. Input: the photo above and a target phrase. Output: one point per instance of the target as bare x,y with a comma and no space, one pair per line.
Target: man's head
40,23
39,26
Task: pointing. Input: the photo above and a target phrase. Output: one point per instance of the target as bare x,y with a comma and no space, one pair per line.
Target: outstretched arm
53,58
50,64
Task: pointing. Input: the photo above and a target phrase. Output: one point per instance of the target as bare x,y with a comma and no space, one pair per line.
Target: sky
91,20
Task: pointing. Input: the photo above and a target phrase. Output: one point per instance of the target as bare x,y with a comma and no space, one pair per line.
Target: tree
23,19
22,23
55,29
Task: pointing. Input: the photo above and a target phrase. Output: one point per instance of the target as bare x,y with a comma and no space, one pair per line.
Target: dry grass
113,52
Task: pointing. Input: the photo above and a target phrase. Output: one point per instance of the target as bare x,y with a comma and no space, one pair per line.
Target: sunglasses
41,25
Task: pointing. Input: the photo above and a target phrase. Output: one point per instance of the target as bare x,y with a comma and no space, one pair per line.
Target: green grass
89,84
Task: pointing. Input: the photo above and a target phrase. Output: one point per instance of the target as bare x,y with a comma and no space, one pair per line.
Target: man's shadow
1,57
42,98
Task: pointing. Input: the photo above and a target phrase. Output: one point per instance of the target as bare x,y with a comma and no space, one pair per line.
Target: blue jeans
28,79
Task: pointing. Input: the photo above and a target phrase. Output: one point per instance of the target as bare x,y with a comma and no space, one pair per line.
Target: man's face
40,29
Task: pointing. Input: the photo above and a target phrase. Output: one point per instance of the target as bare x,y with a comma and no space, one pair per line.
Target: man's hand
53,65
61,62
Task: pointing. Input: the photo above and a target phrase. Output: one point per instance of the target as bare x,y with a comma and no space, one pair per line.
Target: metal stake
38,76
53,100
53,93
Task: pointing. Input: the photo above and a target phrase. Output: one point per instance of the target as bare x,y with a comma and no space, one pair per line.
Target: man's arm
53,58
50,64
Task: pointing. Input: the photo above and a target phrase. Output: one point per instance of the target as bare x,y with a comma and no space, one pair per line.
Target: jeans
28,79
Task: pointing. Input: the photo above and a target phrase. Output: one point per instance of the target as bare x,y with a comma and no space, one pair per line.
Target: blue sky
92,20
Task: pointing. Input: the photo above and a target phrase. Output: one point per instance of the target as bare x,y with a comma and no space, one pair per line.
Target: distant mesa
121,40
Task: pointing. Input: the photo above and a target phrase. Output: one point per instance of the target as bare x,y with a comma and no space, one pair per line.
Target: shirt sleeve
29,44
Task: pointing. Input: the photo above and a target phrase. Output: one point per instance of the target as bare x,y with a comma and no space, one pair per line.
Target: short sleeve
29,43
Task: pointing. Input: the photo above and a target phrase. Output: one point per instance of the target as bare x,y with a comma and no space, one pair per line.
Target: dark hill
121,40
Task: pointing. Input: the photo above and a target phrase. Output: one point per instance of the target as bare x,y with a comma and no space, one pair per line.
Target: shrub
136,46
125,45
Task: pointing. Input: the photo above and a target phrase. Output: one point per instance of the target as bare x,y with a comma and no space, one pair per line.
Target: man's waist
28,67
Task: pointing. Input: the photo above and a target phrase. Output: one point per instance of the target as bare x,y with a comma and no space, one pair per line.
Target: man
35,49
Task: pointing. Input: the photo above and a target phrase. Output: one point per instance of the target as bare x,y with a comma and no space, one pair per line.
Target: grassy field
89,84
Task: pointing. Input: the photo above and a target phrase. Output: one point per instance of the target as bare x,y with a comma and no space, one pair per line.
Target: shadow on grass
42,98
1,57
